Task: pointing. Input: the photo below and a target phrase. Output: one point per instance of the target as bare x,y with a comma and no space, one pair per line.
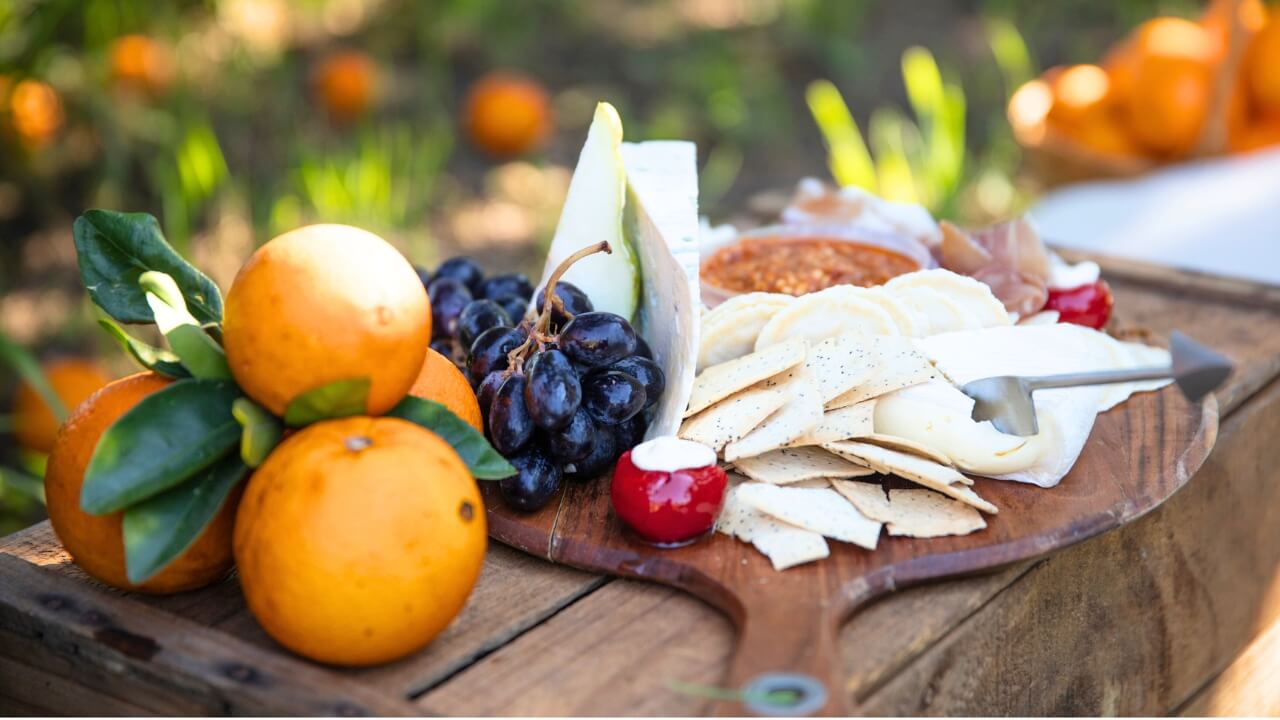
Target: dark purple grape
489,352
479,316
485,392
448,298
604,452
630,433
573,441
536,480
575,303
612,396
552,392
444,346
424,275
643,349
508,284
464,270
648,373
515,305
510,426
598,338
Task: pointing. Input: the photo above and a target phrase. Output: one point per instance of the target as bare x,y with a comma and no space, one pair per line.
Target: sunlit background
452,125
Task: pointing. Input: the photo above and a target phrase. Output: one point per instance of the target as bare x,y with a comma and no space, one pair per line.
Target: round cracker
973,296
730,330
836,311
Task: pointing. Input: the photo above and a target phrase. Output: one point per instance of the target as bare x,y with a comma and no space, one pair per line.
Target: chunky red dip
796,266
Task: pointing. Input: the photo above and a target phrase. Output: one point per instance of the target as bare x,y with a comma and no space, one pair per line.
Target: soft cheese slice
662,224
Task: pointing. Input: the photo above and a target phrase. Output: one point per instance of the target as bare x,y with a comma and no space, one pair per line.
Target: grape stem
539,334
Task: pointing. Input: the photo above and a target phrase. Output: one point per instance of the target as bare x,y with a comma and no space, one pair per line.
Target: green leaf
162,527
165,439
150,357
481,459
342,398
261,434
25,364
200,354
115,248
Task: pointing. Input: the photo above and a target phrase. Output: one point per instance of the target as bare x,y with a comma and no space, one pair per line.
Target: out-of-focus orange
1104,133
345,83
140,62
1261,134
96,542
506,114
1262,69
1080,93
359,540
72,380
1216,19
35,111
440,380
1163,76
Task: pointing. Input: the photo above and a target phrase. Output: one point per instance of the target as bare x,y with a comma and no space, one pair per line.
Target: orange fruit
1262,69
506,114
359,540
95,542
35,110
1216,19
1080,92
141,62
1164,78
440,380
1104,133
72,380
1255,136
325,303
344,84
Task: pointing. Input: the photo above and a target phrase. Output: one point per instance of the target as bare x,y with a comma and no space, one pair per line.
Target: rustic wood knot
243,674
346,709
135,646
55,602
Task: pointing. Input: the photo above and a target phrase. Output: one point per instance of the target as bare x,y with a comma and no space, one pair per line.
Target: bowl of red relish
800,259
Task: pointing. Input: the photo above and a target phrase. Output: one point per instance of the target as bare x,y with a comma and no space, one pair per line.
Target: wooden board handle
789,647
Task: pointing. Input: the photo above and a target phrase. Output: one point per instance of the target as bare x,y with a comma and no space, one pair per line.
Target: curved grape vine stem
539,334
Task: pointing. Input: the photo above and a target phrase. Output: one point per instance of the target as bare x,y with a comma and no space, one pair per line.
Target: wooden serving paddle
1138,455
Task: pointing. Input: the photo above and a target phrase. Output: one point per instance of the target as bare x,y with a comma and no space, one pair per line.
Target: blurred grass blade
159,529
1011,53
894,174
849,159
27,368
20,482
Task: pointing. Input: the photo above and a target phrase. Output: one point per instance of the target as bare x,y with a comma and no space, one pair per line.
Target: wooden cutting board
1138,455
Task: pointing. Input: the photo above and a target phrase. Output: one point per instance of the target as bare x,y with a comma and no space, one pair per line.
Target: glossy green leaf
481,459
159,529
28,368
343,398
200,354
261,431
149,356
115,248
165,439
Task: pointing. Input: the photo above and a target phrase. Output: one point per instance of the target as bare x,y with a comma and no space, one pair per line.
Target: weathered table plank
1136,621
1250,686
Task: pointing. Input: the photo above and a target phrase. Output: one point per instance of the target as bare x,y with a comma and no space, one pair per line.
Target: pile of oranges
1173,89
357,536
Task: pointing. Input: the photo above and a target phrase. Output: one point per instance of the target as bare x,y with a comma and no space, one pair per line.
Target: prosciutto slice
1009,257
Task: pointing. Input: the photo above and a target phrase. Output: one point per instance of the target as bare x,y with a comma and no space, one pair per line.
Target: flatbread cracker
843,423
790,465
928,473
801,413
912,447
720,381
840,364
897,364
785,545
819,510
732,418
867,497
926,514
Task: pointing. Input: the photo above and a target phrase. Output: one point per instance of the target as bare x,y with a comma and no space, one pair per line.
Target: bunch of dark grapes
563,393
464,303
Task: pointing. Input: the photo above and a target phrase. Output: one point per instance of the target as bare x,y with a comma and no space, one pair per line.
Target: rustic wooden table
1176,613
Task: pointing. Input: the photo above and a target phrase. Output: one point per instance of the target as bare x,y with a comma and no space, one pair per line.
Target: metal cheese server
1006,401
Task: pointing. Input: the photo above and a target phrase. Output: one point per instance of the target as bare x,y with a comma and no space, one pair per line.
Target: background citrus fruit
72,380
344,84
1164,77
325,303
506,114
95,542
1262,69
442,381
359,540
